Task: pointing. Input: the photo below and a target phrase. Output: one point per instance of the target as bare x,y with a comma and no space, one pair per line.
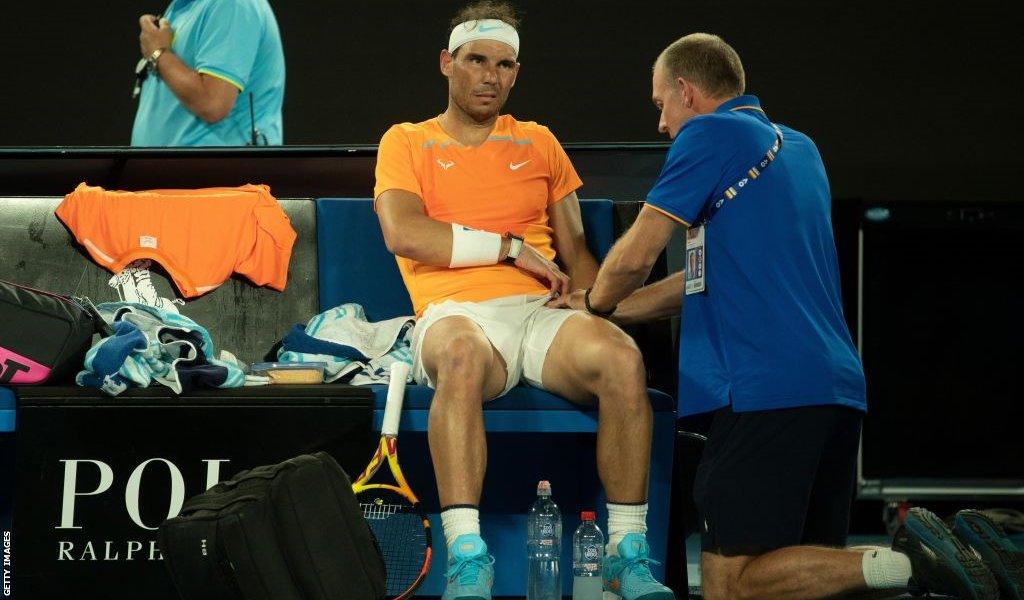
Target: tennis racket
392,510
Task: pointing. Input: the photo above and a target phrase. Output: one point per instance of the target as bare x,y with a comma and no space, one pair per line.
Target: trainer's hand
533,263
152,36
574,301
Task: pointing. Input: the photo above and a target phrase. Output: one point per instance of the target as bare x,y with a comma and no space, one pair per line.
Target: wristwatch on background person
152,58
515,246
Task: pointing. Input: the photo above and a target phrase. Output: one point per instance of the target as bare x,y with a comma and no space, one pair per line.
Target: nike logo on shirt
515,166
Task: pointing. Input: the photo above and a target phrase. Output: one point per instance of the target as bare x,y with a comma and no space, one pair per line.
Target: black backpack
44,336
290,531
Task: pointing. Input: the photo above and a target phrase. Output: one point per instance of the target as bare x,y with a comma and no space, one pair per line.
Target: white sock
459,520
886,569
623,519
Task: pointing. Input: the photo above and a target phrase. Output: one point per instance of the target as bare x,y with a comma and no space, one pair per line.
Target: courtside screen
942,338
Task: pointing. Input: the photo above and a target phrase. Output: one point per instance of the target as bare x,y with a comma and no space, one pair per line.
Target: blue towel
355,350
150,344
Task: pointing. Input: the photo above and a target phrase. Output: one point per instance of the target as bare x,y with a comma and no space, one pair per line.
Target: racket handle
396,390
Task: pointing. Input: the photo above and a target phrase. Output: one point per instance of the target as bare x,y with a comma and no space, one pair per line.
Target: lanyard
734,190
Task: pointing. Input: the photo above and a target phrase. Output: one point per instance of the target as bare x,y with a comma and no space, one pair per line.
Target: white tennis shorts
521,328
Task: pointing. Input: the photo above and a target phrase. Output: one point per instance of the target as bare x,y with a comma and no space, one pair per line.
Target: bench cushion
8,408
521,397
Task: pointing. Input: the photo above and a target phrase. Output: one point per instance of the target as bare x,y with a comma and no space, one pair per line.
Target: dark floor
693,555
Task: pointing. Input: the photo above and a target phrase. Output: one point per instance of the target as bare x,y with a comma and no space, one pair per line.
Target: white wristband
473,248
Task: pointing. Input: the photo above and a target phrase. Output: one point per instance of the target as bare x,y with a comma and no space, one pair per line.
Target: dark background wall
907,100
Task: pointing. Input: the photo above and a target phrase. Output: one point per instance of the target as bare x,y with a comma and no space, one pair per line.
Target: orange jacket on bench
200,237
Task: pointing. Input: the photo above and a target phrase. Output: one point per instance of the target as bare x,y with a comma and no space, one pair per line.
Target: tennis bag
43,336
290,531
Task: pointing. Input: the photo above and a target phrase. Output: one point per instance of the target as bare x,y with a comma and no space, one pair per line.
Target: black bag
43,336
290,531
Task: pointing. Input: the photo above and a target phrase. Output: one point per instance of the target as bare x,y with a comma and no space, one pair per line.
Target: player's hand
533,263
574,301
154,34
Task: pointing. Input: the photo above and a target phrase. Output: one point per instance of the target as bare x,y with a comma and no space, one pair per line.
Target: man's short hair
485,9
706,61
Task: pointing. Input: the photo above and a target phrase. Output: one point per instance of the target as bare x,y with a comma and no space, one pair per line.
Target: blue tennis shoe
941,563
628,575
978,531
470,572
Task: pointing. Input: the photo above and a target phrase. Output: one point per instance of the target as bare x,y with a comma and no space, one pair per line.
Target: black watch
515,246
592,310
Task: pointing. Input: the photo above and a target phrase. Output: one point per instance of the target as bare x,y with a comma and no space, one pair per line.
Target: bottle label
592,552
547,529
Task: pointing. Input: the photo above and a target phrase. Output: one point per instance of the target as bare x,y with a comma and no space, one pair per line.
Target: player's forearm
192,89
422,239
659,300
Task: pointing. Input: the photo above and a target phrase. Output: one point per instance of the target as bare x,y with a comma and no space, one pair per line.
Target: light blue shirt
237,41
768,332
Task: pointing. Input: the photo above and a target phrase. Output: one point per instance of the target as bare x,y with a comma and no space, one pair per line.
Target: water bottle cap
544,488
588,515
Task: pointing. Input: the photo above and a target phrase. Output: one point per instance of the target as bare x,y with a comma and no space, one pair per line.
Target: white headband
484,29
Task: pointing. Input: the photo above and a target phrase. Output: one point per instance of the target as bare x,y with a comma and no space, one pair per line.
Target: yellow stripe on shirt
222,77
667,214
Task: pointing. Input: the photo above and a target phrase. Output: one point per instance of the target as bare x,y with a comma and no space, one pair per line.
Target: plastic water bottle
587,555
544,547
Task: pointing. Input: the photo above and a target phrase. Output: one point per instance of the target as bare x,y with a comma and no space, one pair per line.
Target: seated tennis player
476,206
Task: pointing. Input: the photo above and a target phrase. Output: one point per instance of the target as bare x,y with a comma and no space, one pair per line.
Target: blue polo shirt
234,40
768,332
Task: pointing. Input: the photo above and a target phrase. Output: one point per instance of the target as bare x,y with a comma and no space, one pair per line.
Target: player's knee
465,356
632,362
622,368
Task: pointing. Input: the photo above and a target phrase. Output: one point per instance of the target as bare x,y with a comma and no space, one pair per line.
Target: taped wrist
473,248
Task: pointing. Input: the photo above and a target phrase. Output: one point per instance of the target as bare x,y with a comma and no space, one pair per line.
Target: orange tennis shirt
198,236
504,185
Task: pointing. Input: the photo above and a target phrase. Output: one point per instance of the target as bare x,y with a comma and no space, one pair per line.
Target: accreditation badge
695,282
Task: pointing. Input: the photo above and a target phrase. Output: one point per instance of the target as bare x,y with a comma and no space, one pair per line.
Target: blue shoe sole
937,536
999,553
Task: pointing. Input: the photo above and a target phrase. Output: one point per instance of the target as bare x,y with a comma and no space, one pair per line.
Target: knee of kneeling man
722,576
713,593
727,587
740,591
713,589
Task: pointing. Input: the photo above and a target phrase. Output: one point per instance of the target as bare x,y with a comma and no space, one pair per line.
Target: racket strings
402,541
372,510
